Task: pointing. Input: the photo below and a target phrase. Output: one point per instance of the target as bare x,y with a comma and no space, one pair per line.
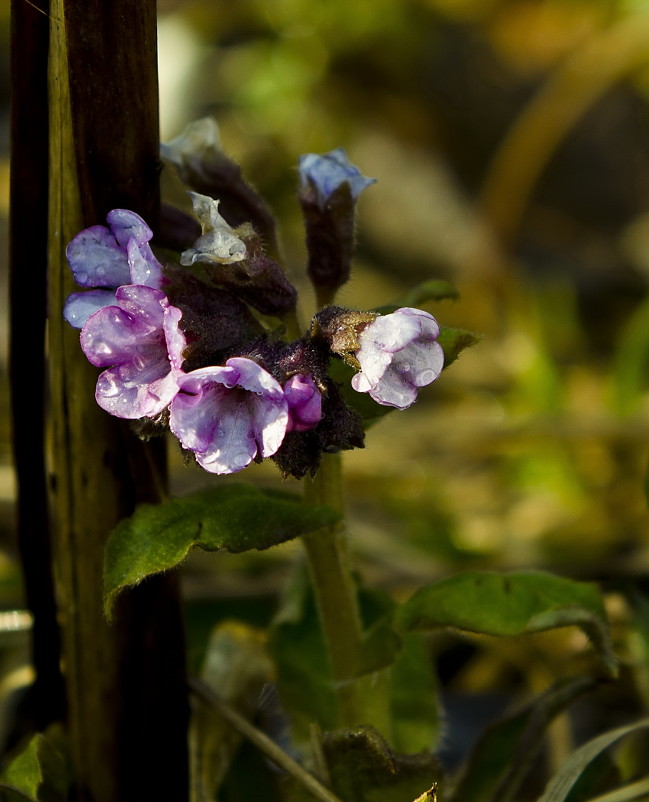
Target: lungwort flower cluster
199,347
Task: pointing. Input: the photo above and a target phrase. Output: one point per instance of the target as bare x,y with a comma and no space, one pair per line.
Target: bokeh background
510,140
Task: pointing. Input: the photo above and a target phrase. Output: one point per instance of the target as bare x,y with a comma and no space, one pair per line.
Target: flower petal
398,354
145,268
229,415
80,305
129,392
127,225
304,402
131,338
97,260
176,340
329,171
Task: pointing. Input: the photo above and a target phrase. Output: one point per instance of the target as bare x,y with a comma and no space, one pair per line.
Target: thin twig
261,741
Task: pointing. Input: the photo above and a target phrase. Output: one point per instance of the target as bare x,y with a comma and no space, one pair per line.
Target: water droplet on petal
425,377
108,387
241,460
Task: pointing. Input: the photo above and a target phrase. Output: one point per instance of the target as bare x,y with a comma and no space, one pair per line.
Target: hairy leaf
432,290
454,341
363,768
231,517
510,604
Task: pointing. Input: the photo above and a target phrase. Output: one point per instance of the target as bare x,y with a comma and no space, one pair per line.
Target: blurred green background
510,140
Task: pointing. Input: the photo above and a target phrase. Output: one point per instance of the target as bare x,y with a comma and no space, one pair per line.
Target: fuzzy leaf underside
231,517
510,604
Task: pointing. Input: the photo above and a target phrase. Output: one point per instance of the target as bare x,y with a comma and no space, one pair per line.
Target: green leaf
363,768
39,772
414,700
500,759
304,680
454,341
9,793
417,296
561,784
510,604
231,517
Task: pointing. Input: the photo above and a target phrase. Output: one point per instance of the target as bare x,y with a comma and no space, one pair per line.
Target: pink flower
107,258
304,403
138,339
398,354
229,415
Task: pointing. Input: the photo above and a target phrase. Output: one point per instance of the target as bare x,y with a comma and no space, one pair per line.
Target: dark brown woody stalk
28,291
127,705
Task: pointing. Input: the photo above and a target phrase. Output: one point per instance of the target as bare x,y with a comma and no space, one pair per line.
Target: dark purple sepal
340,429
329,236
217,325
257,279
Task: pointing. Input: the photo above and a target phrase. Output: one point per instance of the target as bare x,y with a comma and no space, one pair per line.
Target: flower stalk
361,697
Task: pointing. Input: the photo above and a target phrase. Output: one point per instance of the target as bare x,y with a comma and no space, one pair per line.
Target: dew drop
81,277
108,388
425,377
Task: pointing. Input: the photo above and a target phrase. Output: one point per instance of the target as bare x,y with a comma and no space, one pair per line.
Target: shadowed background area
510,140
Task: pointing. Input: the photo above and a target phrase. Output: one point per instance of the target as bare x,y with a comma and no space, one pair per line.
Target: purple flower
398,354
328,172
304,403
138,339
107,258
229,415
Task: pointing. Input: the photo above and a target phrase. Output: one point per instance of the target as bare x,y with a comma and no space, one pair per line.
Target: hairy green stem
362,699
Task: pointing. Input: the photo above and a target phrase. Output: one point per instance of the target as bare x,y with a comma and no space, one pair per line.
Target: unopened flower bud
329,187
